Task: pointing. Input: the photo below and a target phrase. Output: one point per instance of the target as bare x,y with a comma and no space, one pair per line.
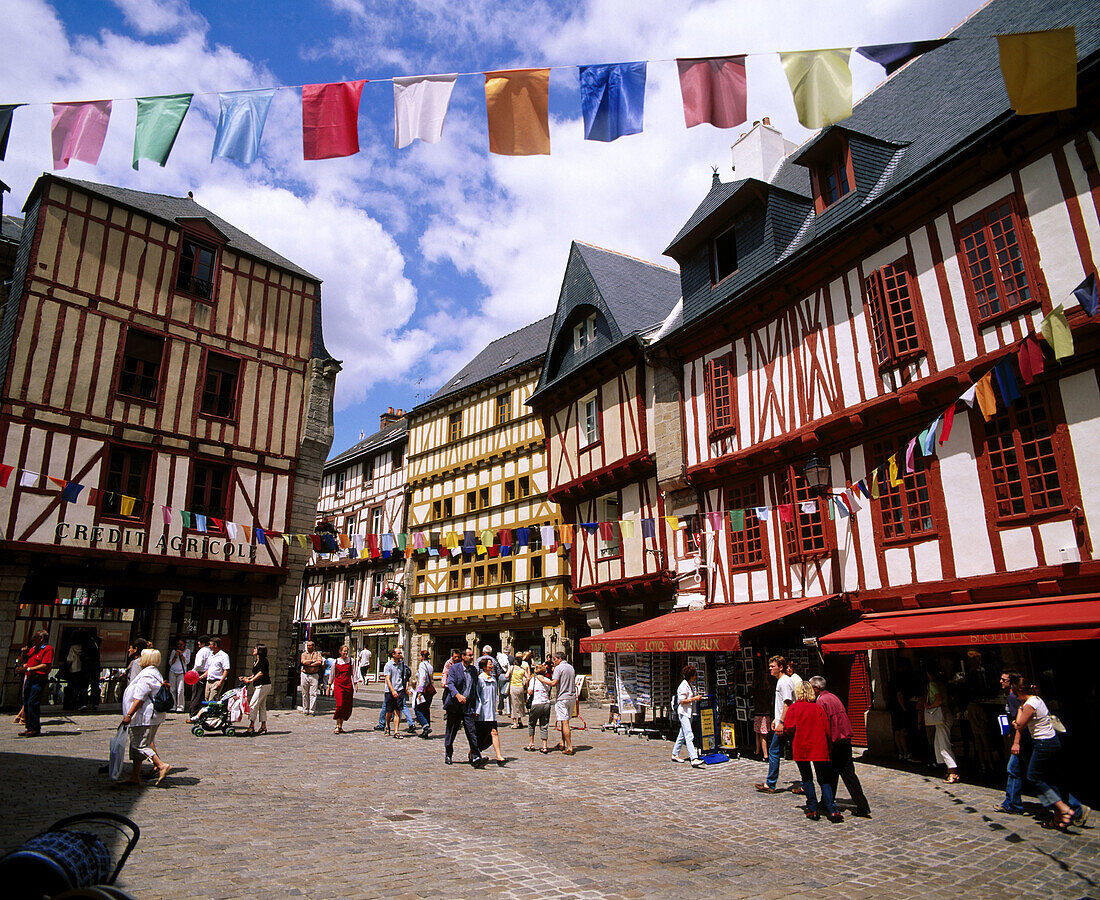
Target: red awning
1073,618
715,628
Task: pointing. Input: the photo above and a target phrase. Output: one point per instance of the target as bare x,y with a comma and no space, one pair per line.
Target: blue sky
426,253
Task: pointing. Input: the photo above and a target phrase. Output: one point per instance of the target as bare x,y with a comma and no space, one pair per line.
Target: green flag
1055,331
158,123
821,83
737,520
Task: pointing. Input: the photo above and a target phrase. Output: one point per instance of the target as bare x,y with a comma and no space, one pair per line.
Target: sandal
530,749
263,730
543,750
336,731
568,752
951,779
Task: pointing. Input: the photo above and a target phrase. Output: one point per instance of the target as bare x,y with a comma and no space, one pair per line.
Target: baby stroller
220,714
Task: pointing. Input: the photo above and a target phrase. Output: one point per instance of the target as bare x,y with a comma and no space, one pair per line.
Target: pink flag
78,131
713,90
330,119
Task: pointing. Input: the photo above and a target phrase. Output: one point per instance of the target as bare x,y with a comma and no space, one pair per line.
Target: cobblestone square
305,813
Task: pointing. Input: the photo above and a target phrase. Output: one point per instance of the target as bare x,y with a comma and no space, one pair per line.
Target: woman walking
538,686
142,719
425,690
1044,767
487,695
937,717
344,676
518,677
810,749
686,698
260,682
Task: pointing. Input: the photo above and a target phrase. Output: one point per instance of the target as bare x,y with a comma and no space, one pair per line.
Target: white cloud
159,16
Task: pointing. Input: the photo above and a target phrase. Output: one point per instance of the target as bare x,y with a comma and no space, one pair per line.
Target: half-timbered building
478,488
837,302
166,402
596,401
344,594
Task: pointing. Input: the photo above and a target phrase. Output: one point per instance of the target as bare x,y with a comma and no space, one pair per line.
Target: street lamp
817,476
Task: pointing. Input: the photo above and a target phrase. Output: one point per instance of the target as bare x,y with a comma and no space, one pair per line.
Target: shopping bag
119,745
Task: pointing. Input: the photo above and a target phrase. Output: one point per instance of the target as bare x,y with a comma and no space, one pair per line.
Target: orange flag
517,103
1040,70
987,400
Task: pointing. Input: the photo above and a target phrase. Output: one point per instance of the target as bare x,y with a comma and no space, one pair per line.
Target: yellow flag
874,485
303,541
673,522
125,505
894,480
821,83
516,102
626,528
1055,331
1040,70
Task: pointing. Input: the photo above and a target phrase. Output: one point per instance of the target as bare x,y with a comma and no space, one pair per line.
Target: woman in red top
811,745
343,687
37,669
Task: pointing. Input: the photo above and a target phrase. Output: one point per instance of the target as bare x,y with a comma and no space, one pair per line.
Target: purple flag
78,131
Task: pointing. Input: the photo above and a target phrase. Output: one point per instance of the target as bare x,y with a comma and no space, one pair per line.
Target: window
350,605
421,584
140,375
368,469
747,545
994,266
904,510
483,498
437,509
376,525
341,482
1019,443
454,427
584,332
534,539
326,604
509,491
127,475
590,420
196,271
693,536
448,507
832,178
525,486
893,320
209,490
479,576
471,501
607,510
377,585
397,455
723,256
506,572
504,408
720,408
454,580
806,537
491,569
219,391
467,578
536,567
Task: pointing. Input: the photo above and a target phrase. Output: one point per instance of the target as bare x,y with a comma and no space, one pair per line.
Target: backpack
163,701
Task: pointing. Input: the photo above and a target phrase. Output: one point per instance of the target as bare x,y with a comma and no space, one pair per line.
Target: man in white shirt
178,660
216,669
364,663
796,679
784,697
198,689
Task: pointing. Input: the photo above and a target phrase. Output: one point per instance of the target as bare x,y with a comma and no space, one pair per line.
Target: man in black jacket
460,706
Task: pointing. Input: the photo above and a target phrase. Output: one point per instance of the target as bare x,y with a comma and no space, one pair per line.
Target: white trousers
175,680
943,745
257,704
310,687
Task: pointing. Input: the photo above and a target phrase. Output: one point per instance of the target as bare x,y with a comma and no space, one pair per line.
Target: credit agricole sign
133,539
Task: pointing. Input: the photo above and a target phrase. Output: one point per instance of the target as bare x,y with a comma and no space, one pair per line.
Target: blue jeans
825,779
1014,786
775,751
685,737
32,703
1044,766
423,712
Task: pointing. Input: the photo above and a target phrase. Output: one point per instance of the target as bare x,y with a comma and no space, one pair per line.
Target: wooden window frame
838,162
471,500
193,505
719,424
793,489
506,572
523,486
740,496
1028,259
534,563
884,305
600,502
238,385
582,420
926,471
141,501
716,277
185,280
121,373
454,427
504,408
327,599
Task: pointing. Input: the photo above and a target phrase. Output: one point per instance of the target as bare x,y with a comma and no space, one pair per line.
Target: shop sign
663,645
328,628
706,727
133,539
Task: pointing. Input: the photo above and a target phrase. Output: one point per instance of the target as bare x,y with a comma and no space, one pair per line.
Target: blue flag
612,100
241,124
893,56
1085,293
200,522
1006,381
71,491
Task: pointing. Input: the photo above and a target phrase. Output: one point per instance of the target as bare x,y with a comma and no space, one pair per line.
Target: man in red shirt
37,669
840,748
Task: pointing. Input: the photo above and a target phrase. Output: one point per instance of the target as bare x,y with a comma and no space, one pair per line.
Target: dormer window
196,270
831,171
584,333
834,181
723,261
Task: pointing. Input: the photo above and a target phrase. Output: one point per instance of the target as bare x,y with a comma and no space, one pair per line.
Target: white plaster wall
951,263
982,199
1053,232
1081,400
1019,549
963,497
933,304
888,254
864,357
927,557
760,585
1056,537
842,342
899,569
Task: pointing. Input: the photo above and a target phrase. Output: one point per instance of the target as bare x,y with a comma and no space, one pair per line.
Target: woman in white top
538,686
425,690
1044,766
686,698
142,719
488,692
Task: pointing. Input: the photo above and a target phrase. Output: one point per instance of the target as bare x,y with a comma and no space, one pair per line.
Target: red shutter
859,698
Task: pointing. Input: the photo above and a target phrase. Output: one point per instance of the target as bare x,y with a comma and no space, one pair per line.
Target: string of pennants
1039,70
1002,380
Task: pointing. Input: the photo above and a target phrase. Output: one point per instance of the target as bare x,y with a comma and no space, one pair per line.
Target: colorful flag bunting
852,499
821,83
1029,358
386,544
261,537
1086,292
241,119
420,107
93,496
983,392
1006,381
590,527
516,103
506,537
786,512
59,482
910,451
166,514
969,395
126,505
402,540
649,528
862,485
713,90
487,537
762,513
566,531
874,485
233,531
200,522
27,478
737,520
892,462
948,421
6,111
612,100
1040,70
893,56
715,519
158,122
523,536
808,507
330,119
469,541
841,510
218,524
344,541
928,447
547,534
1055,331
70,492
185,518
78,131
5,474
626,529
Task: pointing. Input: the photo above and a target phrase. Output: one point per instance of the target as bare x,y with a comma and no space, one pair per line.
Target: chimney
758,153
391,417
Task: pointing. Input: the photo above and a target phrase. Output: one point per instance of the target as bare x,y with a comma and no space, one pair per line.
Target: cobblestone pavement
305,813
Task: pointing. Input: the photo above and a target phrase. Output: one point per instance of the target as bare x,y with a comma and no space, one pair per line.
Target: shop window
747,545
607,510
807,536
590,420
141,359
995,268
904,510
219,392
209,492
889,296
536,567
454,427
723,256
196,270
1023,462
524,486
719,389
126,484
504,408
506,572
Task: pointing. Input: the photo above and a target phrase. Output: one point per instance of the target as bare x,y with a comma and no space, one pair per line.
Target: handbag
429,689
933,715
1057,723
119,744
163,701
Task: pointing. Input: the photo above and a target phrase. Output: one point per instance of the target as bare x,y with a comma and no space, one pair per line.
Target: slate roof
168,209
11,228
503,355
391,434
929,108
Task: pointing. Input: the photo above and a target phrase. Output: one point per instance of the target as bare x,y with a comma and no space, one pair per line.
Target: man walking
565,678
198,690
1013,803
394,674
784,697
216,669
840,745
178,661
460,707
312,664
364,664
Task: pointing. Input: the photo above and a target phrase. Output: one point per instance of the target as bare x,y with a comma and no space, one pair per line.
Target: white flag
28,478
419,108
232,530
968,396
547,532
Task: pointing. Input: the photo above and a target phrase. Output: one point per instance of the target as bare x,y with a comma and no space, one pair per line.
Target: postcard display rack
640,684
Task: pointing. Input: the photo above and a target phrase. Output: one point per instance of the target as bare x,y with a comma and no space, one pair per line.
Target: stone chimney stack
758,153
391,417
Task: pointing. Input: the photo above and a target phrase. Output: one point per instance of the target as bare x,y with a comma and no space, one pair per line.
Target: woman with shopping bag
141,718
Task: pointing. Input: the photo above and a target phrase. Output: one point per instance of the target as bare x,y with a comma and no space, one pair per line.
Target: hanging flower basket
388,600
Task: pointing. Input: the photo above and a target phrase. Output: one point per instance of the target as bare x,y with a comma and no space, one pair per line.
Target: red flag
315,539
713,90
330,119
1030,358
786,512
5,474
948,420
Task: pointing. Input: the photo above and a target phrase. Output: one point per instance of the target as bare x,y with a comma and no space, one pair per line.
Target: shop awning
1070,618
714,628
374,626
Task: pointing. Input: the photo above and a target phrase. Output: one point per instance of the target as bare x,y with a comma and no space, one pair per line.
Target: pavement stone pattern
301,812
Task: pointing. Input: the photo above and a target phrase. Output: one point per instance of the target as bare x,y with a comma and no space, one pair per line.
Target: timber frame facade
151,350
